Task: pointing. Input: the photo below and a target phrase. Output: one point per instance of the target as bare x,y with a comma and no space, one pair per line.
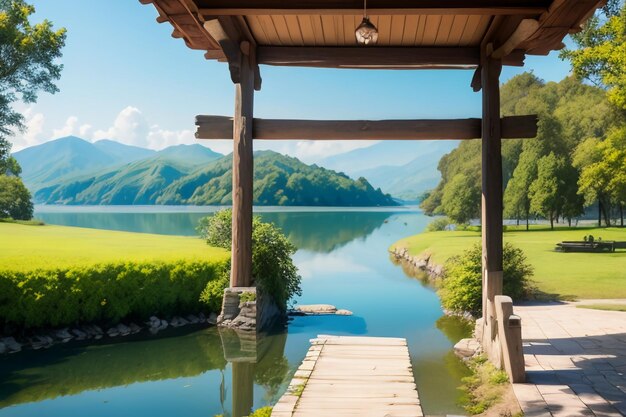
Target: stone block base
245,309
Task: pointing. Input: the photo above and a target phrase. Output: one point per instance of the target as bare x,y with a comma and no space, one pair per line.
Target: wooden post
241,256
491,194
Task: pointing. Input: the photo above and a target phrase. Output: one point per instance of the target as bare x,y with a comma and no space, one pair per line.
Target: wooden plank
376,7
355,57
241,254
377,382
219,127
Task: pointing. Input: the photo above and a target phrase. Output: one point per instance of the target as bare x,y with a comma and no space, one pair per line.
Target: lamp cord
365,8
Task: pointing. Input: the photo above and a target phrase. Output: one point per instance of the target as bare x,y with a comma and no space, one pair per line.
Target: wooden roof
412,33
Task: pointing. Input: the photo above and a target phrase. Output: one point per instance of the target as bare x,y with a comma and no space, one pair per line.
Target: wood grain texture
219,127
241,128
352,376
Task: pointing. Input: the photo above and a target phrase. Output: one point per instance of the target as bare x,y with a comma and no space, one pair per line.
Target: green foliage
569,113
462,285
461,199
213,293
602,167
102,292
29,54
273,270
485,386
601,54
14,199
439,224
245,297
262,412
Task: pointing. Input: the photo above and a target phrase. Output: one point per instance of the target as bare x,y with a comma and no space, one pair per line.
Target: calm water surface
343,260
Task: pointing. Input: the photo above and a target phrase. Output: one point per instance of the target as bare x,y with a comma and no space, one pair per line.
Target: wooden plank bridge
345,376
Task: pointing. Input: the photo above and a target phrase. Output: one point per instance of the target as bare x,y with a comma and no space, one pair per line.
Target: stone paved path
575,361
345,376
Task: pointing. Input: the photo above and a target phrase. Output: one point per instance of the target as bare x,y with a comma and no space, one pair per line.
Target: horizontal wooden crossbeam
378,57
374,7
221,127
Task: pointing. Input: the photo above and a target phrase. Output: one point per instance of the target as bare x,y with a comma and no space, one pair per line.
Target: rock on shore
319,309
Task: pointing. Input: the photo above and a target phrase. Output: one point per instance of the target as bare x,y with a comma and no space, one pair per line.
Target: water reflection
242,362
320,232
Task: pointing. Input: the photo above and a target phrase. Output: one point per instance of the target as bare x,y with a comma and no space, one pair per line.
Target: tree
29,53
601,54
461,199
546,191
273,269
28,65
14,199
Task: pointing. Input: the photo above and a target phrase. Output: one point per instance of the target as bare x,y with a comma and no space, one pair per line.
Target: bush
439,224
105,293
273,270
462,286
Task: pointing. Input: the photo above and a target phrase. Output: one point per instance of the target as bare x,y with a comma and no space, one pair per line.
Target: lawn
569,275
28,247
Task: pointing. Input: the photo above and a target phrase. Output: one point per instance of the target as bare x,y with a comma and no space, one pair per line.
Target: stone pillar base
245,309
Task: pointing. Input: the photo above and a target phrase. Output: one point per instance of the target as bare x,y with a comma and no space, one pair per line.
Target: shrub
273,270
262,412
462,286
105,293
439,224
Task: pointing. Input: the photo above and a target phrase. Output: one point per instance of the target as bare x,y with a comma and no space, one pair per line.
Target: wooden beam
220,127
229,41
376,7
378,57
491,217
524,30
241,131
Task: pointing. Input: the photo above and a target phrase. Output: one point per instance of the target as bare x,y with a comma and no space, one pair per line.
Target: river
343,259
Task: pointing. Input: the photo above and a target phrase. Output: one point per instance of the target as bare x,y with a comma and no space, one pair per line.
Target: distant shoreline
59,208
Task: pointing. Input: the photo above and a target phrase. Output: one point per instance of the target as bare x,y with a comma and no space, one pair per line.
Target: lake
343,260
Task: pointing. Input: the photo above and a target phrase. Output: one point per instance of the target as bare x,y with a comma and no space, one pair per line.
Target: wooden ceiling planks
401,23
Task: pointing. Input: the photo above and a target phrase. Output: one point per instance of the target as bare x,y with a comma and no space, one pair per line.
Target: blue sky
126,78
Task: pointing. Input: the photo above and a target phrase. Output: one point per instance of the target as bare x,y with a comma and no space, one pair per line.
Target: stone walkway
575,361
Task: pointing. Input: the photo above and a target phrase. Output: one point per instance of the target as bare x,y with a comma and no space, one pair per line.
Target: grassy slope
28,247
580,275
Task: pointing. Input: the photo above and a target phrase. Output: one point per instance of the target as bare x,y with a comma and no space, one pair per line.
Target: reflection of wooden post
491,194
241,257
243,388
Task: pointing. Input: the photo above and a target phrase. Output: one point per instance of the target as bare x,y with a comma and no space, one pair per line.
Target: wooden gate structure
478,35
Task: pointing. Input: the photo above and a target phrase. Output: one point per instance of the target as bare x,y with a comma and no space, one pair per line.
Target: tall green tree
547,190
601,53
28,64
461,199
15,200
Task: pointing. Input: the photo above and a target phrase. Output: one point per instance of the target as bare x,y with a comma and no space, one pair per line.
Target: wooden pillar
242,388
491,191
241,256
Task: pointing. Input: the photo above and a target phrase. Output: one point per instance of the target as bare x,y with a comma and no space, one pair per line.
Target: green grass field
24,247
569,275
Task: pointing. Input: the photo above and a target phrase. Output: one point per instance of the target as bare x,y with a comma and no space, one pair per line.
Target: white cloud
34,123
132,127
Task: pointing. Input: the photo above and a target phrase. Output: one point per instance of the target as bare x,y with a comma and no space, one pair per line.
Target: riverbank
557,274
63,283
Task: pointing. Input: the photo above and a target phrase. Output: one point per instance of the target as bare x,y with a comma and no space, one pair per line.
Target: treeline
577,159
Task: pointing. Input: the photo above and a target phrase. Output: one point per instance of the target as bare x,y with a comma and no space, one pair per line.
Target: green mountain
163,179
51,160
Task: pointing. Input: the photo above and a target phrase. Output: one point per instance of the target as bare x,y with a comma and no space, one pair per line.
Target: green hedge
104,293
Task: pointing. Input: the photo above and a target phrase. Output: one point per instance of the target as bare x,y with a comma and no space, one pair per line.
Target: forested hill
575,161
278,180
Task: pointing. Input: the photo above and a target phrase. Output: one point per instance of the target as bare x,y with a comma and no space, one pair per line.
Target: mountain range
72,170
404,169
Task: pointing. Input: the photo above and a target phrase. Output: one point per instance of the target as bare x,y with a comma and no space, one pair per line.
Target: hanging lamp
366,33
